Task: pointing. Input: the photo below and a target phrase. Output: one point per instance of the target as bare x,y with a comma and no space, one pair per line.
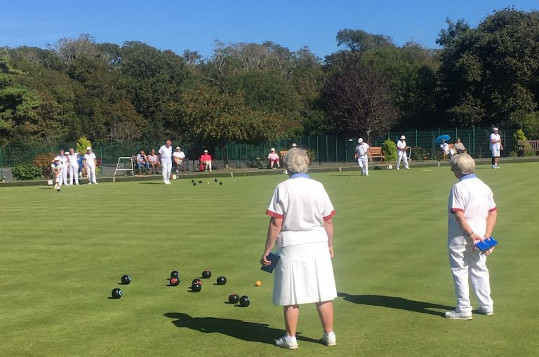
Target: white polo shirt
73,159
473,197
362,149
90,159
401,145
166,153
495,146
62,159
179,154
304,205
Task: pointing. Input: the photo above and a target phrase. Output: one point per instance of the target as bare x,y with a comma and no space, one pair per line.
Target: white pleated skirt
304,275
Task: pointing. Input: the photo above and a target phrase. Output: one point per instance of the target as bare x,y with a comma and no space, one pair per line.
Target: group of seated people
458,148
151,163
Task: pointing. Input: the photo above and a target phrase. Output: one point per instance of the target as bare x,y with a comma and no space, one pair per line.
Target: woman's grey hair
462,164
296,161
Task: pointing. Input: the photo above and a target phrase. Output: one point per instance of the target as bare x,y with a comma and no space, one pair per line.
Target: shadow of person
394,302
247,331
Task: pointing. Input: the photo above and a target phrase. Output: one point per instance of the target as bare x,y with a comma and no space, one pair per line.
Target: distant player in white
90,162
472,215
73,166
361,156
62,158
56,167
401,152
165,152
495,147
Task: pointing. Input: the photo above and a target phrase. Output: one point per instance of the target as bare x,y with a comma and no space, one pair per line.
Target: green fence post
236,145
1,167
473,138
318,151
101,156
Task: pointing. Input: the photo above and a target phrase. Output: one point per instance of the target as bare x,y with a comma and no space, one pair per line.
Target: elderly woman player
472,216
301,227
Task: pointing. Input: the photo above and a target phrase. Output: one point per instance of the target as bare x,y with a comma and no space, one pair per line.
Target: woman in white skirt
301,227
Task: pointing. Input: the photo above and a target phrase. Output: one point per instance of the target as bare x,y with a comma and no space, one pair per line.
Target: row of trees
248,92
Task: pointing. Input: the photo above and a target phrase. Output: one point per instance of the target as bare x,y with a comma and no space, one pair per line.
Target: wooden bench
375,152
528,146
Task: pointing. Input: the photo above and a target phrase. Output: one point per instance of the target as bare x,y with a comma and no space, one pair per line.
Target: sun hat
205,150
360,140
495,129
272,149
178,148
403,137
88,148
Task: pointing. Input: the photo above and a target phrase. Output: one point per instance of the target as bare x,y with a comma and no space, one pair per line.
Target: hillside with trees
255,92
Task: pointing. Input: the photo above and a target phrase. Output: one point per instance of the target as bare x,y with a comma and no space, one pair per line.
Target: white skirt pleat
304,275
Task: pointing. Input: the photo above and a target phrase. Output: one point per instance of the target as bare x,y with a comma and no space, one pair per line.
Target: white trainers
484,311
288,342
453,315
329,339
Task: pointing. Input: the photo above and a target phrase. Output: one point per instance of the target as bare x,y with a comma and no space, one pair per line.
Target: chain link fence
322,148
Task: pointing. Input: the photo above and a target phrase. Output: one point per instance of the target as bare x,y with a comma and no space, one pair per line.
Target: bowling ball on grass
233,298
244,301
116,293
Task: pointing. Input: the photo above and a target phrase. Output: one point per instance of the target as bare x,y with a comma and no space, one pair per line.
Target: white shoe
329,339
484,311
167,182
453,315
288,342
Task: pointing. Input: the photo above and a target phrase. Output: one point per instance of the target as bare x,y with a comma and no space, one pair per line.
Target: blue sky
196,25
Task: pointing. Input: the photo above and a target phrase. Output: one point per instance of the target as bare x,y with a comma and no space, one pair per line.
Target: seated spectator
205,161
141,161
446,150
179,157
273,158
459,147
153,160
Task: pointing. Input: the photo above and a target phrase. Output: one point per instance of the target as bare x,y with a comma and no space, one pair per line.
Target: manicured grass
62,253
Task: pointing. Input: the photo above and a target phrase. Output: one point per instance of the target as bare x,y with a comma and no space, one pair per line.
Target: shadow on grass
242,330
394,302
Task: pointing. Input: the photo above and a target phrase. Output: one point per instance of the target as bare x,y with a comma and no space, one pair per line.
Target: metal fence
324,148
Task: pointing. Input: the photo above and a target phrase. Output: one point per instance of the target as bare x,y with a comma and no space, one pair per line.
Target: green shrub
43,161
419,154
530,125
26,171
389,148
311,154
525,149
82,144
